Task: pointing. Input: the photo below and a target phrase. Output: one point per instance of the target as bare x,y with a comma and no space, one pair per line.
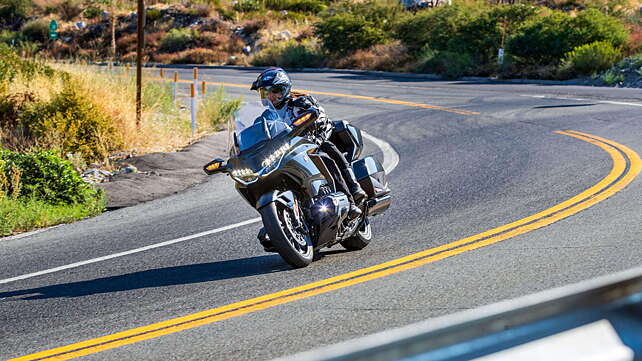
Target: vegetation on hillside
56,121
539,38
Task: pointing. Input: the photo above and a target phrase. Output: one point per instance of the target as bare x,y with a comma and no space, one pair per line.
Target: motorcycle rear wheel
294,246
361,238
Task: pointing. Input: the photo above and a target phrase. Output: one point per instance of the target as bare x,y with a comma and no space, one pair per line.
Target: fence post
175,86
194,105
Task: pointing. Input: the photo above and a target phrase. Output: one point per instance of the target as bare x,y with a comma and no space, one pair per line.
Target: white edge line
137,250
391,159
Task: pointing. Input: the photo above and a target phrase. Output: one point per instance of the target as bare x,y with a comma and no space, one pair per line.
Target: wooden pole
140,17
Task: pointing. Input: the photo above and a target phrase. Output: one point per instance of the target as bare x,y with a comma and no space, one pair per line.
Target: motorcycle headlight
244,174
275,156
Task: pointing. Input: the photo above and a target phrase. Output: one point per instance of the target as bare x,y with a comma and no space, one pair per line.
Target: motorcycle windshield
257,123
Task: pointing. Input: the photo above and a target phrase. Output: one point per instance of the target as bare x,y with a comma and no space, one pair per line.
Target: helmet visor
273,93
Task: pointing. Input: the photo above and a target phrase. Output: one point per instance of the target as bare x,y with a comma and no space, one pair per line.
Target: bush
152,15
9,37
449,64
92,12
71,123
345,33
349,26
192,56
590,58
289,54
12,66
304,6
384,57
545,40
177,40
13,11
47,177
215,111
433,27
247,6
36,30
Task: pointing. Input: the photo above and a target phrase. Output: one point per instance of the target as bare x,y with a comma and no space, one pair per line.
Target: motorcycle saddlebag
371,176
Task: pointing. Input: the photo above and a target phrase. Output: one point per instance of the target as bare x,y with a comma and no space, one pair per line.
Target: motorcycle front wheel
294,245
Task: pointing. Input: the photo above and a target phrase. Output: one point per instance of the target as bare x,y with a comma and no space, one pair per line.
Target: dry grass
385,57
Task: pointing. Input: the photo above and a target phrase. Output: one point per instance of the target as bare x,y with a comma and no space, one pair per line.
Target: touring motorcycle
281,172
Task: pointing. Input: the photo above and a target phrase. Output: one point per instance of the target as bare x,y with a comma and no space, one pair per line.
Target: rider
274,85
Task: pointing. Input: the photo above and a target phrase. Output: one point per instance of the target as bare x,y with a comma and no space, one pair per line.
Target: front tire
361,238
292,244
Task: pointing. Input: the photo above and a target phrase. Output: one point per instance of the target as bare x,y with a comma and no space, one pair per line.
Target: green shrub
289,54
247,6
433,27
545,40
307,6
73,124
12,66
612,77
446,63
349,26
9,37
344,33
13,11
177,40
304,6
215,111
47,177
36,30
153,15
93,12
591,58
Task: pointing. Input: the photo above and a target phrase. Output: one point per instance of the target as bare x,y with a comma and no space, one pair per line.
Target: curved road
473,156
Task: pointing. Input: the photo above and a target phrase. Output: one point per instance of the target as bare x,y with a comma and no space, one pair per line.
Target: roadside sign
53,30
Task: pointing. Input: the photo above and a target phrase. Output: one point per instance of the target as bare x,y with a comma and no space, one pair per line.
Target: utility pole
140,17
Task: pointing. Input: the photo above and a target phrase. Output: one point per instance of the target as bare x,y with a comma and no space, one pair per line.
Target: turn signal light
302,119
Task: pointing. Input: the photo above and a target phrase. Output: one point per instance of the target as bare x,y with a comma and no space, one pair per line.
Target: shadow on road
160,277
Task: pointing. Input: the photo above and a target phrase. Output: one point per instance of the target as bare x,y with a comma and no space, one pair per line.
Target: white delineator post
194,109
203,89
195,70
175,86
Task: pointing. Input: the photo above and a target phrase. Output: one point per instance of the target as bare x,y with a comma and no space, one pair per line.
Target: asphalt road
458,175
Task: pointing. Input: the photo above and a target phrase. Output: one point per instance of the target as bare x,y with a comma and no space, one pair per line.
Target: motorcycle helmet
274,80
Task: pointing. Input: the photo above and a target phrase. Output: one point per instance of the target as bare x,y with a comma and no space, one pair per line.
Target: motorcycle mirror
215,166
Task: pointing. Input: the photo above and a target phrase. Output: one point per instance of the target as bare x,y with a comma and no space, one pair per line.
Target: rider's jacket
299,103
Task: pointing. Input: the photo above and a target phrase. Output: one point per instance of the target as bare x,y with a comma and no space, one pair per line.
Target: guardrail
599,319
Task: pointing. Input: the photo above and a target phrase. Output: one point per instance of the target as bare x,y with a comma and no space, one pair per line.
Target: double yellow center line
360,97
626,166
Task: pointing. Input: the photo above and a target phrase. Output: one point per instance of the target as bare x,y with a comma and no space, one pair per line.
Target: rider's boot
355,188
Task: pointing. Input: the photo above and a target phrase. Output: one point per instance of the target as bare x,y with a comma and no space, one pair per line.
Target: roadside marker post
195,70
194,108
203,89
161,73
175,86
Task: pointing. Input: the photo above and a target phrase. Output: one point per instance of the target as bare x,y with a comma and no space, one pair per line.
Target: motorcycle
281,172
